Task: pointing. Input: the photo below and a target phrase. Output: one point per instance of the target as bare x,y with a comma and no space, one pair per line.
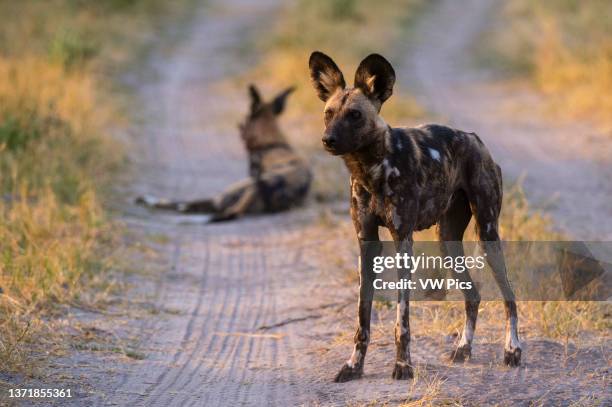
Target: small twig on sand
251,335
288,321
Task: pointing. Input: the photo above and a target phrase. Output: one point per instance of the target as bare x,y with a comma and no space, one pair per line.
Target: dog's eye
328,115
355,114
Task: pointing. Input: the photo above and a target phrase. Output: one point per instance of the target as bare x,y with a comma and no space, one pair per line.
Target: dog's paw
461,354
512,357
402,371
182,207
348,373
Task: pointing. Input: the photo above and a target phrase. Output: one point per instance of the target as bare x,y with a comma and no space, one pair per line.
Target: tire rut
205,353
163,384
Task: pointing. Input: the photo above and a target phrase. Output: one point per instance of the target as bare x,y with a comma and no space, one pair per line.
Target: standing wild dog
279,179
408,179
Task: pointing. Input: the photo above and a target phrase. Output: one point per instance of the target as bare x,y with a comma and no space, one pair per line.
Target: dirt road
562,161
223,280
252,312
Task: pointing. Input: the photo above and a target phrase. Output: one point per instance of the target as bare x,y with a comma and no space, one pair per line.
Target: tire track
222,329
206,353
256,345
242,385
233,386
183,359
186,337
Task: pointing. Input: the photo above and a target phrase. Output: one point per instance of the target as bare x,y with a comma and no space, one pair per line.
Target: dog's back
439,160
282,177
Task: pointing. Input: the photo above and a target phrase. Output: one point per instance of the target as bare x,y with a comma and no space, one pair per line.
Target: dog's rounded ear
375,77
278,103
325,75
255,98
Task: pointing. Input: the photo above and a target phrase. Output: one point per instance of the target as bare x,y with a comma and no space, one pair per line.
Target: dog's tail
157,203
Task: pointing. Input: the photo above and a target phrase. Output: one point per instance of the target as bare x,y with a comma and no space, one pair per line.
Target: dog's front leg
401,219
369,247
353,367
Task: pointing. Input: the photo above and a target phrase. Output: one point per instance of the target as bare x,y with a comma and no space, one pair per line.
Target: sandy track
561,161
221,285
220,281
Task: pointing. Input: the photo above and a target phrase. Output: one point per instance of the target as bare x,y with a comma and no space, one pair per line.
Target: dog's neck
366,164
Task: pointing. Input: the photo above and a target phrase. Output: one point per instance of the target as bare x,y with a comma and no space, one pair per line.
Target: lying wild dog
408,179
279,179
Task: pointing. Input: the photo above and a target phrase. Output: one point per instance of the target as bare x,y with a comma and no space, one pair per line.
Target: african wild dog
279,179
408,179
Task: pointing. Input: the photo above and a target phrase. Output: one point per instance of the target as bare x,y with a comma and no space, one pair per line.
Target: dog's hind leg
486,206
450,233
197,206
403,368
234,204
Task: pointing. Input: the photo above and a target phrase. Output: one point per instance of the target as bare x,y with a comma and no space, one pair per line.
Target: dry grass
54,160
565,47
56,157
429,386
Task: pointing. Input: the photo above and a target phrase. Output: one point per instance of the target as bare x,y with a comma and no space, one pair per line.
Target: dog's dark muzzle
330,142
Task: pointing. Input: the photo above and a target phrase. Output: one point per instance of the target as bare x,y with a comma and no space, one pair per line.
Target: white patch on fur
467,336
354,359
435,154
389,170
399,144
512,340
488,227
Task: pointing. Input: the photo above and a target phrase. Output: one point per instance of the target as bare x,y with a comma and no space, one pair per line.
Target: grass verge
565,48
57,158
